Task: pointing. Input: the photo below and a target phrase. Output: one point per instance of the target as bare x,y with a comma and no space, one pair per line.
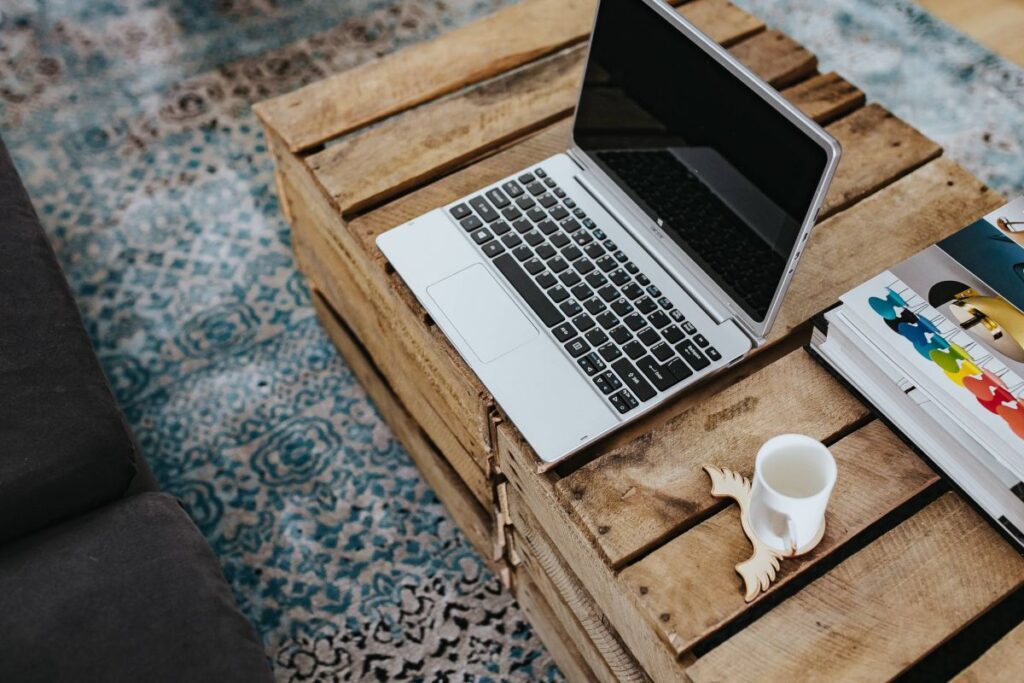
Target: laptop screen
728,177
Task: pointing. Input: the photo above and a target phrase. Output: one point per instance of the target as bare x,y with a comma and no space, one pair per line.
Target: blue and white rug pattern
130,121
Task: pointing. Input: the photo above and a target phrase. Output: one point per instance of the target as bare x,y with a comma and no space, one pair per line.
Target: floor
996,24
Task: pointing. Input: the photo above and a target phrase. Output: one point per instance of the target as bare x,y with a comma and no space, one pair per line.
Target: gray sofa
102,577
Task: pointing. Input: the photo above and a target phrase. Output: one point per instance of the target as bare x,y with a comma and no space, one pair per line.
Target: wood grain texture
645,491
880,231
776,58
825,97
721,21
878,148
689,586
561,587
429,69
462,505
880,610
1001,663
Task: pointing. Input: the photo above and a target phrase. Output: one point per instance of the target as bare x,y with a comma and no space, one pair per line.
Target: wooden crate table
620,557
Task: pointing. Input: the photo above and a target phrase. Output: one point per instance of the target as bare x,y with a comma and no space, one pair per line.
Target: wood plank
465,509
878,148
645,491
825,97
882,230
690,587
401,80
597,639
412,362
1001,663
776,58
407,150
880,610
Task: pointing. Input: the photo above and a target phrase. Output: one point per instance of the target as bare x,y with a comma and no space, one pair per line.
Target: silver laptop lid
720,168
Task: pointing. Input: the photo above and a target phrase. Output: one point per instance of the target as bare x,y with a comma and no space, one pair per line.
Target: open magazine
936,344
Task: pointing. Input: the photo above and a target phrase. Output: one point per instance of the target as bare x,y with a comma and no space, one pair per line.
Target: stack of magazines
936,345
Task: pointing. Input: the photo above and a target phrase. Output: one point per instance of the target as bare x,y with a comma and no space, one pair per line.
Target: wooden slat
880,610
643,492
776,58
825,97
882,230
1001,663
596,638
689,586
406,150
493,45
460,502
878,148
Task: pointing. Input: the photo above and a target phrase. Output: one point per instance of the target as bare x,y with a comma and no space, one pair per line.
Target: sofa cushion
64,447
130,592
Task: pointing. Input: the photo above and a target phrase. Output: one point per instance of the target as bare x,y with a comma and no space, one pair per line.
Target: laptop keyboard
625,335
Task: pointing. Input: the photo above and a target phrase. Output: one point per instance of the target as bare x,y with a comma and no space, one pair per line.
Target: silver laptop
590,288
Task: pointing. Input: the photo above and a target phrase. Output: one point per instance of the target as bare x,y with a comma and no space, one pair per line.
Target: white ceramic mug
793,479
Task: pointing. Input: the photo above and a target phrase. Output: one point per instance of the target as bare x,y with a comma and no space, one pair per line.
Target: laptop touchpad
482,312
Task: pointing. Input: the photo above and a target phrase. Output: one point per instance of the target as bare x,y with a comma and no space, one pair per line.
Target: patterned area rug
130,121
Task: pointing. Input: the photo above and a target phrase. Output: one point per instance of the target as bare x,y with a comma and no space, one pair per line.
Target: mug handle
790,537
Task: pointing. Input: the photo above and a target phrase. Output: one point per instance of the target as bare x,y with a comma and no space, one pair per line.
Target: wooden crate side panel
464,507
880,231
1001,663
645,491
880,610
561,586
497,43
690,586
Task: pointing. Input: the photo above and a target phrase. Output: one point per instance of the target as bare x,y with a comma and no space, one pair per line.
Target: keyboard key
665,303
541,173
619,276
559,192
564,332
526,178
612,380
511,213
632,378
659,319
459,211
632,268
632,290
622,307
607,320
589,223
595,250
559,240
526,202
713,353
471,223
493,248
484,208
689,328
522,226
571,252
693,356
557,264
663,352
570,203
570,308
547,200
620,256
648,336
577,347
545,279
482,235
547,227
594,305
570,225
610,246
634,321
672,334
536,215
582,292
621,335
643,280
536,189
511,240
549,182
582,238
596,361
588,365
558,213
653,291
634,349
677,315
599,234
596,337
679,369
500,227
623,401
645,305
512,188
522,283
700,341
546,251
597,280
583,322
533,238
558,293
606,263
659,375
610,352
522,252
603,385
569,278
533,266
608,293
